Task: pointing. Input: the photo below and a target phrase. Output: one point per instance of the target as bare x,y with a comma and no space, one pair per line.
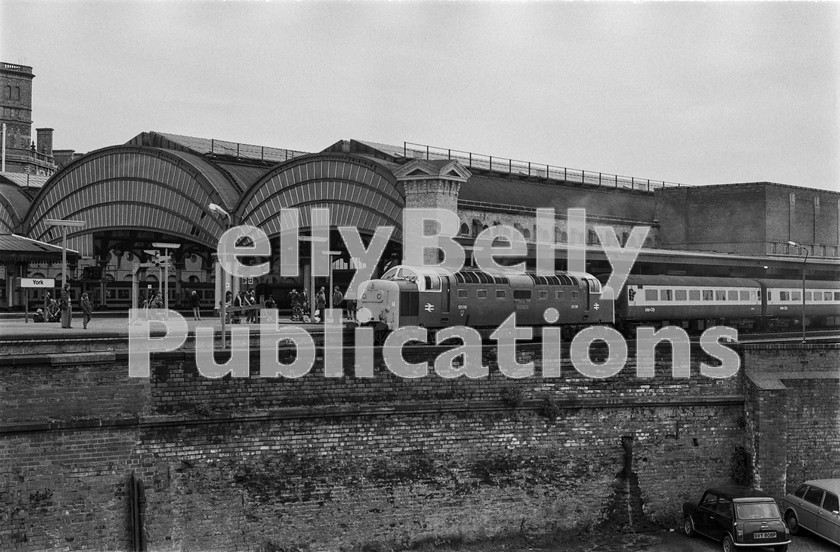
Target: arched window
7,92
17,93
476,227
465,229
526,233
193,279
624,237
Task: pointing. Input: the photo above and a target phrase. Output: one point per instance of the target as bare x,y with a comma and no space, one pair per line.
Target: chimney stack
45,140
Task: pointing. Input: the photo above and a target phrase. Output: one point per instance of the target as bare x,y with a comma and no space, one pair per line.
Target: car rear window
757,510
831,503
814,496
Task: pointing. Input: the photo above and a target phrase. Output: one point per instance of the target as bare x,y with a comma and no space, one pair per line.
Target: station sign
37,283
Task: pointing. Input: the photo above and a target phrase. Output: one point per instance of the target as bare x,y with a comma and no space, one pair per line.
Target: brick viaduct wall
336,463
793,413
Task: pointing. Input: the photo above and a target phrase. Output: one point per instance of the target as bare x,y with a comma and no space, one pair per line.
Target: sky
695,93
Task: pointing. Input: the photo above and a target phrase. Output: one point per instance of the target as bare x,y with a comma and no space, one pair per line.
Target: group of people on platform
62,310
299,301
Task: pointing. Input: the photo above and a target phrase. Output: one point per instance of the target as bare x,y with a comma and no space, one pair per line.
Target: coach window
500,294
667,295
680,295
732,295
837,295
807,295
481,294
694,294
784,296
708,295
796,296
828,296
543,295
744,294
462,294
651,295
720,295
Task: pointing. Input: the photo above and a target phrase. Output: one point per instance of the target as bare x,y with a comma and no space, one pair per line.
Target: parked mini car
737,518
815,506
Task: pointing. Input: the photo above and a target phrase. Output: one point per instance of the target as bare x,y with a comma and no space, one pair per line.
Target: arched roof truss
135,187
358,192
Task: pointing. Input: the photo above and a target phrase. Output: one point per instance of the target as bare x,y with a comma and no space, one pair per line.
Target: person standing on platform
66,308
87,309
195,303
321,302
337,298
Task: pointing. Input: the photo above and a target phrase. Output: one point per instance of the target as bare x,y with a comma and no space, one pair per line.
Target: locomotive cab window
462,294
558,295
574,295
481,294
500,294
543,295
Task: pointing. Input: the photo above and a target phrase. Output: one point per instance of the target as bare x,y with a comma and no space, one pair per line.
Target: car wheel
727,544
792,523
688,526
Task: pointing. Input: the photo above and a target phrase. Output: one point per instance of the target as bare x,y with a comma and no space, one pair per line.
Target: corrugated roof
24,179
245,175
21,248
228,189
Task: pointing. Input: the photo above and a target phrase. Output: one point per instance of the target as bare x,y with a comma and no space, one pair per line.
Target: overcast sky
696,92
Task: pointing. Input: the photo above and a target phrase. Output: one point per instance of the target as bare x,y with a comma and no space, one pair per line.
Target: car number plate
768,535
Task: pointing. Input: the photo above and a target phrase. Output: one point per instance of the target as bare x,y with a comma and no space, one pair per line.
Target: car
815,506
738,518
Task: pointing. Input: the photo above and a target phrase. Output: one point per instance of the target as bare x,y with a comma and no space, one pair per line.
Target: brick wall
330,463
793,413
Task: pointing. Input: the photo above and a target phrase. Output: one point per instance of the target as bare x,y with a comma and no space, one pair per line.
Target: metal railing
814,250
250,151
539,170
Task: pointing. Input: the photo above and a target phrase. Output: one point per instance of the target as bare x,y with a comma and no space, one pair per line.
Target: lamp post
165,259
805,260
64,224
220,274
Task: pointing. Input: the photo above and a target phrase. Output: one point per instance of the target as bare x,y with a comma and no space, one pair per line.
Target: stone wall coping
331,411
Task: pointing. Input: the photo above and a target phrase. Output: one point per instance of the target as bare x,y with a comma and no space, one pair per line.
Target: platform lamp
217,209
805,260
166,259
64,224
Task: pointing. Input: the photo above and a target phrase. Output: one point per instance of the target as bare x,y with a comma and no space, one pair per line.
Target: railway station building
157,187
